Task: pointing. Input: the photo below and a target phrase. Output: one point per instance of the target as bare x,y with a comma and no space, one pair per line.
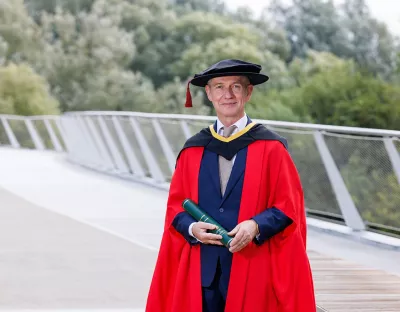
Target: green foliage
83,55
20,35
310,24
171,98
197,57
269,106
115,90
214,6
132,54
201,38
375,193
23,92
348,31
318,192
369,42
344,96
302,69
50,6
152,25
3,50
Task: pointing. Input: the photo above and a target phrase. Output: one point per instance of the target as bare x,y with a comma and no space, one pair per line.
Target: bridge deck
71,264
50,261
344,286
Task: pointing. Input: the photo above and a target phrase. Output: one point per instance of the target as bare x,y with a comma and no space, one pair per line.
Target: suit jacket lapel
249,121
211,163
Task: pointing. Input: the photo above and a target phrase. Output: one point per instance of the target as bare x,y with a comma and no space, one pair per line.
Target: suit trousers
214,296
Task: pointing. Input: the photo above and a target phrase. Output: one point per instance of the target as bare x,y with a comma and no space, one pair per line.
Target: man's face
229,95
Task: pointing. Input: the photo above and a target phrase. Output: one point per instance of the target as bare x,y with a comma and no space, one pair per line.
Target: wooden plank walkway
347,287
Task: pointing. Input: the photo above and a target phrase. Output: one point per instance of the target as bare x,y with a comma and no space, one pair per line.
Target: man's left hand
244,233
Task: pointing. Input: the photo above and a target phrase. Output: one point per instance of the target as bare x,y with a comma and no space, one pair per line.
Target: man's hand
199,231
244,233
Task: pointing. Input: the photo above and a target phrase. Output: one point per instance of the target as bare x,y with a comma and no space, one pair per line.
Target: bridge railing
34,132
348,174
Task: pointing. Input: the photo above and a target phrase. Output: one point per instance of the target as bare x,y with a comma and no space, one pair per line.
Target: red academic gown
273,277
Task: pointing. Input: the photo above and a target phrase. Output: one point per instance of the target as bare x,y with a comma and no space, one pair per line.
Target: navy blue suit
216,260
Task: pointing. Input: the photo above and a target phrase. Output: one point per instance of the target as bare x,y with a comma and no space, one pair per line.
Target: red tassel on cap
188,96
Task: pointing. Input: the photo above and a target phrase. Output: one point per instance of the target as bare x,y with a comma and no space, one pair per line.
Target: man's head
229,84
229,94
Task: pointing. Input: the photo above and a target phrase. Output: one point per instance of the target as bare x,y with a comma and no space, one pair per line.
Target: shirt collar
240,124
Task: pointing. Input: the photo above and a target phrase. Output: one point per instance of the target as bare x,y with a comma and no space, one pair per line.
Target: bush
23,92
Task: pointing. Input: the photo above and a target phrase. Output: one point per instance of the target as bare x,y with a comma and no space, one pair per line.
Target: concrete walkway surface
51,261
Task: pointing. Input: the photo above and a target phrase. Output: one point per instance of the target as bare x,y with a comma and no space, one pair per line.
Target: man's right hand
199,231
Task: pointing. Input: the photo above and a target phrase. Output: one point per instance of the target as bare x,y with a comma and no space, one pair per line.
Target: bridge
82,204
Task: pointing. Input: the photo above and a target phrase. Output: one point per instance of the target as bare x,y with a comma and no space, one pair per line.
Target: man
241,174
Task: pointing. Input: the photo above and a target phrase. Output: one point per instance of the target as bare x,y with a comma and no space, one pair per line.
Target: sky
387,11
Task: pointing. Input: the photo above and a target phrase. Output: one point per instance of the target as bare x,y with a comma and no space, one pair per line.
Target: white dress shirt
240,125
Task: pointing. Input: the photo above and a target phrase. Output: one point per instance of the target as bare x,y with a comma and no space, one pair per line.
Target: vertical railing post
10,134
134,164
185,129
108,162
93,152
119,160
152,164
166,147
63,128
61,131
53,137
349,211
393,156
37,141
74,138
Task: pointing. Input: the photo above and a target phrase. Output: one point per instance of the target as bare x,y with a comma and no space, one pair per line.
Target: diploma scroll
197,213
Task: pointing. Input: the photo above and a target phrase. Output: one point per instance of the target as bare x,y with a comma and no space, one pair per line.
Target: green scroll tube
196,212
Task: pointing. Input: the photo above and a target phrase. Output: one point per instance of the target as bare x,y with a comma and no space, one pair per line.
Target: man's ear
249,92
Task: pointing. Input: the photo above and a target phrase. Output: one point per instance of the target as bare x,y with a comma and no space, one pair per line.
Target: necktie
225,166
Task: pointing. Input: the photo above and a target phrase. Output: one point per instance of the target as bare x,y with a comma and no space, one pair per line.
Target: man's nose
229,93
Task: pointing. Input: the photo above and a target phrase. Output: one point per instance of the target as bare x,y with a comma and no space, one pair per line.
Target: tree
171,97
115,90
3,50
214,6
35,7
374,189
368,41
271,37
310,24
23,92
302,69
243,14
85,57
20,35
208,38
344,96
348,31
152,25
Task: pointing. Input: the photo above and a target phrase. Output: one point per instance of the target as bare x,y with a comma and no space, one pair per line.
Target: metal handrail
117,143
289,124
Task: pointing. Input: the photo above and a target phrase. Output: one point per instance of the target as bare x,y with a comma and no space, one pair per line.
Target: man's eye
218,87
